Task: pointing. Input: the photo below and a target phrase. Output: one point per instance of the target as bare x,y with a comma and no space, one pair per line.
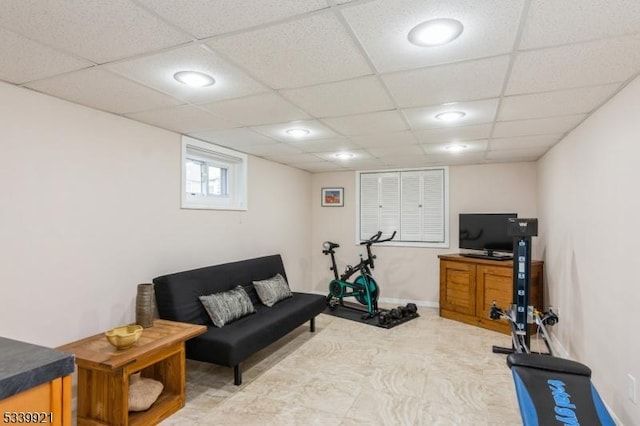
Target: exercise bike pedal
332,302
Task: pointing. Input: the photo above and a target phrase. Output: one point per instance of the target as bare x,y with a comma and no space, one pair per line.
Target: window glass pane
216,180
194,177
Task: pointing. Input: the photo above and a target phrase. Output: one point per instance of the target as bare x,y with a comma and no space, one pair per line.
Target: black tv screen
485,231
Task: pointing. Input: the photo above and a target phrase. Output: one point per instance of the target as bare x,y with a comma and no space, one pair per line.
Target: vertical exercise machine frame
521,230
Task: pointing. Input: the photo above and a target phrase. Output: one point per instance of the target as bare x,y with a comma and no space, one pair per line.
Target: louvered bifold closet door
379,204
433,209
422,212
389,203
411,206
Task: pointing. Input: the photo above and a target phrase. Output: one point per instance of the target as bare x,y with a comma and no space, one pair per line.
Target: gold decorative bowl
124,337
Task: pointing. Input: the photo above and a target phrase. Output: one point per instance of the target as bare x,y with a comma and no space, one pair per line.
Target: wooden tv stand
469,285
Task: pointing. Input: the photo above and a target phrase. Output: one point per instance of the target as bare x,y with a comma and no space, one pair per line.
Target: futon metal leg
312,324
237,375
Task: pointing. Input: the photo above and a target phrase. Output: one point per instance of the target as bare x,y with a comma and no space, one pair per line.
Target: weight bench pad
556,391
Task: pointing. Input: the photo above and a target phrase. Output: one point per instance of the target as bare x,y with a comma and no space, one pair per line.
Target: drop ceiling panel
183,119
204,18
561,102
385,139
576,65
382,28
277,148
157,71
468,158
458,158
358,155
553,22
325,145
528,154
295,158
353,96
364,124
450,134
411,161
469,147
279,131
359,164
100,31
398,151
325,166
233,137
311,50
477,112
447,83
538,126
31,60
524,142
265,108
103,90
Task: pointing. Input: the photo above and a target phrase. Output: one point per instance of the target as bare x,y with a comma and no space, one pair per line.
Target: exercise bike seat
556,391
328,245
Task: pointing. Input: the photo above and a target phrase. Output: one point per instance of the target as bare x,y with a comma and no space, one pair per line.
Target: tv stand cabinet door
457,288
494,283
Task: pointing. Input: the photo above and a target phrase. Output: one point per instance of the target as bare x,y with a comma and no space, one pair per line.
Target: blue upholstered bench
556,391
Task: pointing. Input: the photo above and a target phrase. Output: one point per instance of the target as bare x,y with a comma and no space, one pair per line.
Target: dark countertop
24,366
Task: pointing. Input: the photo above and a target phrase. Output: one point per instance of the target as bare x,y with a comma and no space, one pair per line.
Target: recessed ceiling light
297,132
344,155
455,147
450,115
435,32
194,78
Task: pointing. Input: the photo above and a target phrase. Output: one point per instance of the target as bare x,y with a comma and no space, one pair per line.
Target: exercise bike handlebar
373,239
388,239
376,239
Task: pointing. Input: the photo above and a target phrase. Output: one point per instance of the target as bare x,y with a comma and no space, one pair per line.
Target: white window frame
236,164
397,241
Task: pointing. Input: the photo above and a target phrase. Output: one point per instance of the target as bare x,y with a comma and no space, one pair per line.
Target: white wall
412,274
589,205
91,208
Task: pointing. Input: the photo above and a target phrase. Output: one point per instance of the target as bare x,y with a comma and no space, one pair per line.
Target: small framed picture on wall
332,197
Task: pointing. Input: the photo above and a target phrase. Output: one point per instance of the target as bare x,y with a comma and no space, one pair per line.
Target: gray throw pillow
227,306
272,290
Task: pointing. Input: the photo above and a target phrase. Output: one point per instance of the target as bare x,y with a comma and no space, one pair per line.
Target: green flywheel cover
373,290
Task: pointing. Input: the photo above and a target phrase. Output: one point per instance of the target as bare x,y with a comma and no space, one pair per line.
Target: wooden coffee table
103,374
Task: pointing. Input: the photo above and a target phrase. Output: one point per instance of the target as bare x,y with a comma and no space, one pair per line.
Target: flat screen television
486,232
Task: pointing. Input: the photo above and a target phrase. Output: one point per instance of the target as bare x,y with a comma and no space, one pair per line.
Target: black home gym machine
363,288
550,390
520,314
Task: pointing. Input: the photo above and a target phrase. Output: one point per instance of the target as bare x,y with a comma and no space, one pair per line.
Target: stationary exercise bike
363,288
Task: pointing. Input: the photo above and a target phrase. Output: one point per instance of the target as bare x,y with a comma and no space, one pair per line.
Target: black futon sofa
177,298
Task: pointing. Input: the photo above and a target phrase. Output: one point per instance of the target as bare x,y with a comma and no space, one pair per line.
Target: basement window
213,177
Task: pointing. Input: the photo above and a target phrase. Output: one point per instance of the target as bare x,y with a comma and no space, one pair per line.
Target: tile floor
429,371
